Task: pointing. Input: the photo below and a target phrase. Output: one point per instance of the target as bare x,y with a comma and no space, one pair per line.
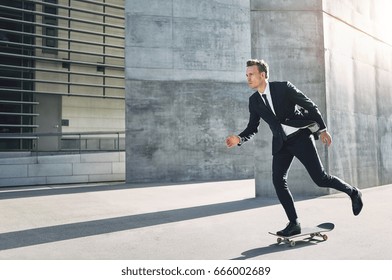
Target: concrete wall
338,53
358,61
289,36
186,89
62,169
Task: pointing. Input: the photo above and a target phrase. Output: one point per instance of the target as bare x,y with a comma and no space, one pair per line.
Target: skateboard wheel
279,240
292,243
325,237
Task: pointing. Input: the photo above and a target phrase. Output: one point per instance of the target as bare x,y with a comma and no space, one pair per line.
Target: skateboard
312,231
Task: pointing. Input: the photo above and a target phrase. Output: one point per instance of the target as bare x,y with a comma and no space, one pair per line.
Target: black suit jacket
292,108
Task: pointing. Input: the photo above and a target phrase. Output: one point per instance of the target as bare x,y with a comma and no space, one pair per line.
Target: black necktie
282,133
266,102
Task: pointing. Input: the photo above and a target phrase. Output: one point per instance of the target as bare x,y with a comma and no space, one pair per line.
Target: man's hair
262,66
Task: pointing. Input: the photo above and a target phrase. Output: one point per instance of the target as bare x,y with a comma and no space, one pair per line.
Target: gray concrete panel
183,128
142,26
106,177
17,160
149,7
368,16
236,10
186,90
286,5
50,169
69,179
358,92
100,157
58,158
10,171
290,39
118,167
191,40
22,181
385,150
91,168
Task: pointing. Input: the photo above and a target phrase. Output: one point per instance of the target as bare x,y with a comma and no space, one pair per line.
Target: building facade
63,86
61,72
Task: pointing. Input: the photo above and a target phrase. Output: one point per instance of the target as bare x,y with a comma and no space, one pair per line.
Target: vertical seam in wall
326,91
172,34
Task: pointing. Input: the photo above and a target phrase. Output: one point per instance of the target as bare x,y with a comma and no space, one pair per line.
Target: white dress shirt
287,129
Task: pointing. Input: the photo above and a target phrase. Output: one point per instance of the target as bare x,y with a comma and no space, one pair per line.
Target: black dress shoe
356,199
291,229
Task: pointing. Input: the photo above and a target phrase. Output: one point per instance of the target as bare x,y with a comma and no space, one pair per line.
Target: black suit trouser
302,147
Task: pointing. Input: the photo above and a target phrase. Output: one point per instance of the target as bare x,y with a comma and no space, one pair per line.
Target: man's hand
232,140
326,138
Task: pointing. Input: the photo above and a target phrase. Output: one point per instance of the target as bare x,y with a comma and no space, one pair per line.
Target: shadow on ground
29,237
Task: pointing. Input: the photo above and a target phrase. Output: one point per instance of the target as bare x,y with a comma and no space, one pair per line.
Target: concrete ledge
112,157
62,169
106,177
70,179
18,160
9,171
118,167
92,168
54,169
27,181
60,158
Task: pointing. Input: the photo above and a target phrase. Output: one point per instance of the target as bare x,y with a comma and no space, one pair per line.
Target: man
295,122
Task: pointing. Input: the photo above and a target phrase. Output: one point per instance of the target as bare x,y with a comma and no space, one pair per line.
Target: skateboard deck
311,231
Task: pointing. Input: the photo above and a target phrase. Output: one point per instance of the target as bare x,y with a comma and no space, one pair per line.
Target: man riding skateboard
294,130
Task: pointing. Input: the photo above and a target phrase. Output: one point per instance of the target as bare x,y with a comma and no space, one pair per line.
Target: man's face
254,77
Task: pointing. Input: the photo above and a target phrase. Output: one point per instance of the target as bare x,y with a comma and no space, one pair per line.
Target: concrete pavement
211,221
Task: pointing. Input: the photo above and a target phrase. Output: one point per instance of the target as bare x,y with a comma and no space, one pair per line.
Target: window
51,32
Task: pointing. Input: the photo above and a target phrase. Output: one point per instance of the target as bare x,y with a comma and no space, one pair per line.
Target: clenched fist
232,140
